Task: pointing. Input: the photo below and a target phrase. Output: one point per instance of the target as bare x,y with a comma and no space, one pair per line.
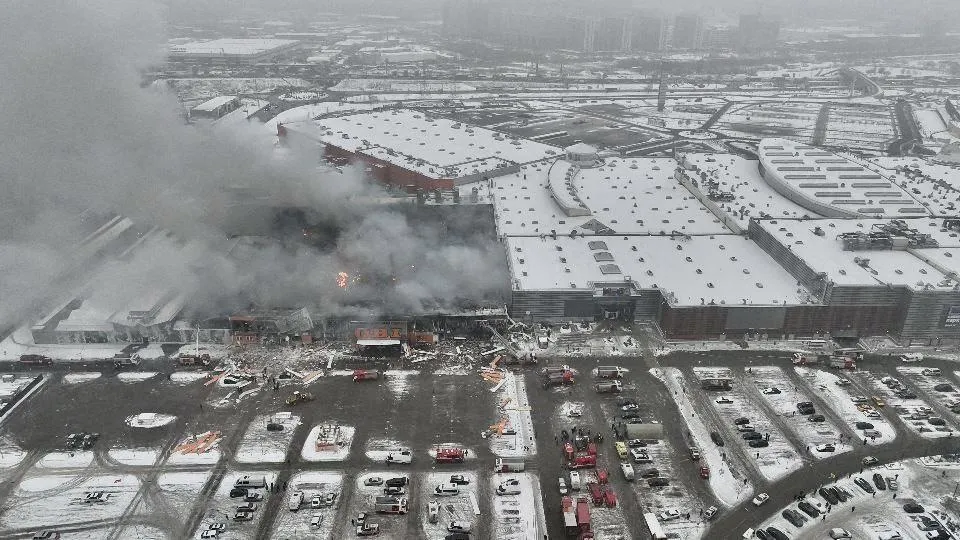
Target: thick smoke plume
81,136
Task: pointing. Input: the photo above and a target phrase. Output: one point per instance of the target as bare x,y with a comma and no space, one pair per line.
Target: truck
299,397
843,363
569,512
628,473
390,505
583,515
562,378
609,387
365,375
509,464
610,372
450,455
197,360
800,359
582,461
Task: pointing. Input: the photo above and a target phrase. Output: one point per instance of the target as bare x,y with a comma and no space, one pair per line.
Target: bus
653,526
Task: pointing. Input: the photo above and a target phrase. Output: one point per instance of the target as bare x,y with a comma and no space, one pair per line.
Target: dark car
864,425
828,496
795,518
817,418
621,402
762,534
649,473
658,481
864,485
273,426
459,480
760,443
741,421
777,534
879,481
397,482
808,509
752,436
716,438
238,492
630,415
934,421
843,494
943,387
913,508
457,536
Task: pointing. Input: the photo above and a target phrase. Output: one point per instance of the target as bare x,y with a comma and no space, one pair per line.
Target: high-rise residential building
718,37
757,33
647,32
687,31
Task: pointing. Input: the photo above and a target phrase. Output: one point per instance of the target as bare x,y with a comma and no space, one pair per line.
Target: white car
837,532
373,481
209,533
563,486
575,480
316,520
459,526
771,390
509,487
446,490
668,515
912,357
760,499
826,448
433,510
296,499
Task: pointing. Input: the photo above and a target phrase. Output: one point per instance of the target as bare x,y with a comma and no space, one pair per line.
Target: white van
749,533
400,456
575,480
251,482
446,490
296,499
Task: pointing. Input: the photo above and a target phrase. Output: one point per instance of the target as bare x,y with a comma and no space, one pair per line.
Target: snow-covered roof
910,268
935,185
231,47
626,196
580,148
831,185
728,269
214,103
437,147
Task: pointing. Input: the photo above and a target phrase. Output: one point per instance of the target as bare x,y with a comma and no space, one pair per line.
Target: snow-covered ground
180,489
727,345
343,437
364,500
519,517
79,459
13,384
461,507
21,342
153,351
82,376
136,376
10,454
904,407
840,401
927,383
289,524
262,446
149,420
674,496
221,507
785,403
58,500
142,457
726,480
186,377
379,449
777,460
513,404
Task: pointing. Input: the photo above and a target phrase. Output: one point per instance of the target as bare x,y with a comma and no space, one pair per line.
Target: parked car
944,387
930,372
273,426
760,499
709,513
745,428
869,460
913,508
630,407
751,436
393,490
816,418
243,516
397,481
724,400
459,526
253,496
368,529
864,425
864,485
238,492
777,534
828,496
650,473
459,480
892,483
837,532
433,511
879,481
795,518
934,421
563,486
373,481
446,490
634,443
46,535
668,515
742,420
760,443
716,438
808,509
771,390
630,415
209,534
509,487
828,447
658,482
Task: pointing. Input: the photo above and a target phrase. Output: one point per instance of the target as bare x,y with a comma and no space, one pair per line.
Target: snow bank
725,481
141,457
83,376
339,452
153,351
149,420
66,460
378,449
136,376
262,446
187,377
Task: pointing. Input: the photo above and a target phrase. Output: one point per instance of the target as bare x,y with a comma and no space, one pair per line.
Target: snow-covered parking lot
365,493
223,508
261,445
841,402
785,403
777,460
462,507
300,523
61,499
910,410
519,516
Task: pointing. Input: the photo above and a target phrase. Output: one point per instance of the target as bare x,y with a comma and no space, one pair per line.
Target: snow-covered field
82,376
290,524
379,449
149,420
58,500
13,385
726,480
519,517
136,376
461,507
186,377
180,490
904,407
338,452
513,404
262,446
785,403
142,457
79,459
840,401
777,460
222,507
